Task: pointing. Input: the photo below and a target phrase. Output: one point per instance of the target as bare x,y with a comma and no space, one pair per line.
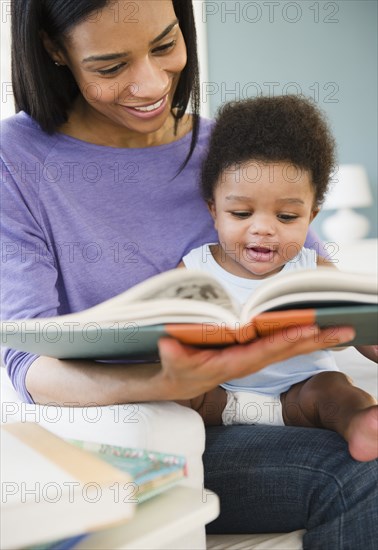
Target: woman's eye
111,70
164,47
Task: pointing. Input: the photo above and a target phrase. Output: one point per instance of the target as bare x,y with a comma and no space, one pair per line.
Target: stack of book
52,489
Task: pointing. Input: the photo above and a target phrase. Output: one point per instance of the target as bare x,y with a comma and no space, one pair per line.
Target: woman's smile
148,111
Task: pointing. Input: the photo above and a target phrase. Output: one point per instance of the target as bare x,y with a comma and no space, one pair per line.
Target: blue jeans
279,479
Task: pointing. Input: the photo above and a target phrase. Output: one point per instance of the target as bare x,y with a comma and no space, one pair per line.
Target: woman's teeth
150,107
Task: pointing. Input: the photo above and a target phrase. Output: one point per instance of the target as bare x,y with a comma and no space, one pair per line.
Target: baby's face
261,212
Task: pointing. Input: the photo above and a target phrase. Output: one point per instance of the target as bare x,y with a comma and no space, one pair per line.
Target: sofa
162,427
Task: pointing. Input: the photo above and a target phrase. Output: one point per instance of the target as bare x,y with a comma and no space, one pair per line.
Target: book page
176,284
309,286
176,296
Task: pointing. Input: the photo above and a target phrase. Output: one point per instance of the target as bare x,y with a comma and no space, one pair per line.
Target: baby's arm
371,352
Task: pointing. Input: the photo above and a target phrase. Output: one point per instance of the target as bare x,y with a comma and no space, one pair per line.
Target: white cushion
161,426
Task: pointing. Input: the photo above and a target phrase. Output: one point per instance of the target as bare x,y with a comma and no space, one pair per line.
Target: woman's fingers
190,371
300,340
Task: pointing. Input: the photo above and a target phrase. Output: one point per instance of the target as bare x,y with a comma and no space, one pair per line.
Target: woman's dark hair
46,92
271,129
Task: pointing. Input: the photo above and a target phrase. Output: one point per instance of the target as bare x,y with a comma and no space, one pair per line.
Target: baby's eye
111,70
287,217
242,214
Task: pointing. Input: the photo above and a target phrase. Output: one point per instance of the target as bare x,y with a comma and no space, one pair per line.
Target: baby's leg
329,400
209,405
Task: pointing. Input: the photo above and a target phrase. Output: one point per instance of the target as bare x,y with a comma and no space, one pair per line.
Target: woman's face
127,59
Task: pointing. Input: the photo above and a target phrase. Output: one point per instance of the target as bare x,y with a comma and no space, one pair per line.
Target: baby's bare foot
363,435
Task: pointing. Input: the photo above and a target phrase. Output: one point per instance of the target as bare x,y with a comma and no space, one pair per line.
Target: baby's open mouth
259,253
260,249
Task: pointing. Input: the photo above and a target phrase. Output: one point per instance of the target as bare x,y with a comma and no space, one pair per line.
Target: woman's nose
148,80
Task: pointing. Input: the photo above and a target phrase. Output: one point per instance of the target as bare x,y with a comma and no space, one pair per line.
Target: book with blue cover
151,472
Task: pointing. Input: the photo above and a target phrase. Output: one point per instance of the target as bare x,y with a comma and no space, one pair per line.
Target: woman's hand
187,372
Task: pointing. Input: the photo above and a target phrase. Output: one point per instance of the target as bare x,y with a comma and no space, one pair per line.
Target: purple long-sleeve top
81,223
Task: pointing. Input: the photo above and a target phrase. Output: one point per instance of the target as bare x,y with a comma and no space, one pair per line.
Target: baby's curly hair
270,129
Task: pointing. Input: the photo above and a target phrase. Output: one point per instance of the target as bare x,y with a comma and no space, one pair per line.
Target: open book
193,307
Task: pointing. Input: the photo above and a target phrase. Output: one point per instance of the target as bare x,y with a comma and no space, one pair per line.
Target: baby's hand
371,352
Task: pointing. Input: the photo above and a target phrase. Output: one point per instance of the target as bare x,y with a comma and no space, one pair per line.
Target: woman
100,153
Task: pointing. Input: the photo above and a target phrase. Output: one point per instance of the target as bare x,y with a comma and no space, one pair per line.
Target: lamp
350,190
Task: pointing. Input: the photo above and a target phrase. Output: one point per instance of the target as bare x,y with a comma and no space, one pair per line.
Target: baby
264,179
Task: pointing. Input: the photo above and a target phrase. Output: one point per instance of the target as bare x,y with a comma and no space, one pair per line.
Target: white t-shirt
277,377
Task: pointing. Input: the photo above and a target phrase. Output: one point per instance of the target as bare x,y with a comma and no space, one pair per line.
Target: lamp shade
350,188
